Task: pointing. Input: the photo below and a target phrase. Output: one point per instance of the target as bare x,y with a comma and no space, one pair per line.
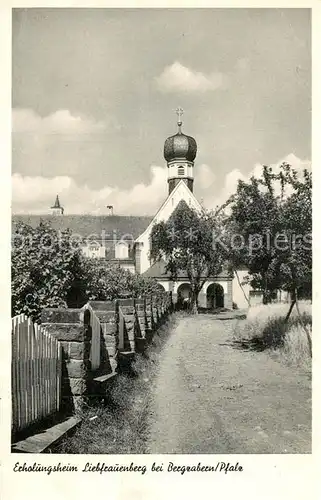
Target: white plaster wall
177,284
238,296
173,170
56,211
97,251
210,282
165,284
145,248
181,192
121,250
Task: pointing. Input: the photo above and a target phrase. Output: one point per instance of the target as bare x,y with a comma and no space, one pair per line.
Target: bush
45,268
106,281
295,348
265,329
48,271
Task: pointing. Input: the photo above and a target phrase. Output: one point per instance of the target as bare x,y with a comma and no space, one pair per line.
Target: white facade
57,211
181,192
94,250
241,294
121,250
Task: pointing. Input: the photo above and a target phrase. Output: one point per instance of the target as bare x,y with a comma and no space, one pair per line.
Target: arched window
95,250
181,170
121,250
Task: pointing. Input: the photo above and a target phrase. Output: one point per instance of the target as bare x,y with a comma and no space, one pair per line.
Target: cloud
204,176
242,64
179,78
37,194
58,144
62,122
231,179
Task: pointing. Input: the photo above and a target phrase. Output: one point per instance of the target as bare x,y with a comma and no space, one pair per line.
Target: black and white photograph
161,234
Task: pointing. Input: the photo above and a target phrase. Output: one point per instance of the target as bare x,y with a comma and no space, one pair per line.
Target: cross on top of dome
179,112
180,145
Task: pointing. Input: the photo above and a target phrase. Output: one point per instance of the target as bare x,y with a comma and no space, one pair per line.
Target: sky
94,93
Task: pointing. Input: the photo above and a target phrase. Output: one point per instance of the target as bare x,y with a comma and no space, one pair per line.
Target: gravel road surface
212,397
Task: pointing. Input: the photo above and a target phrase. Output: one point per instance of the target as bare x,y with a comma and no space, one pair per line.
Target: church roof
115,226
157,270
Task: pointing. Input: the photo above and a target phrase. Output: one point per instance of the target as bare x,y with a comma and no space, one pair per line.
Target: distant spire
57,203
179,112
57,208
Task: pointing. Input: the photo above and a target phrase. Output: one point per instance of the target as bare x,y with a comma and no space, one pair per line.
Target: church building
126,240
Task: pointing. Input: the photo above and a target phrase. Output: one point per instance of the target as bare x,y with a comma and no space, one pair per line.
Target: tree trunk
293,301
305,329
194,303
264,298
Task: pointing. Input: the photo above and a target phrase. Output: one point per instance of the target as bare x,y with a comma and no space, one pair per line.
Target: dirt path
211,397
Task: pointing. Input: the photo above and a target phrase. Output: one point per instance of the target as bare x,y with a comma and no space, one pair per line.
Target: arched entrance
215,296
184,295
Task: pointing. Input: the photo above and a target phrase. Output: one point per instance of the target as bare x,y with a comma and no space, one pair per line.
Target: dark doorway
215,296
184,295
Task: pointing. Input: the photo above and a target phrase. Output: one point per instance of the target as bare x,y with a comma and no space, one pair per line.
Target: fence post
149,318
129,323
36,373
141,322
107,313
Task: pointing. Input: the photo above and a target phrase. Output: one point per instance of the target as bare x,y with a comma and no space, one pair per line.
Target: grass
120,424
265,329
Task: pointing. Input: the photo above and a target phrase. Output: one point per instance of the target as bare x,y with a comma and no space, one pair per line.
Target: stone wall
150,324
106,313
127,308
72,328
155,310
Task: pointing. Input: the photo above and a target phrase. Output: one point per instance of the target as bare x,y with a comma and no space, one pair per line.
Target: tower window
180,170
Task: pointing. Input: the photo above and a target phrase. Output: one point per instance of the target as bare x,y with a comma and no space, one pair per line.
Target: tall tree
185,243
107,281
48,269
271,218
45,267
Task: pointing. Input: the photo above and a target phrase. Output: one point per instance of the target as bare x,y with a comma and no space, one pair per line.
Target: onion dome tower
180,152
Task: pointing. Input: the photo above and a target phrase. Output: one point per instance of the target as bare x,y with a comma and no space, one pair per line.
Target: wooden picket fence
36,373
94,356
